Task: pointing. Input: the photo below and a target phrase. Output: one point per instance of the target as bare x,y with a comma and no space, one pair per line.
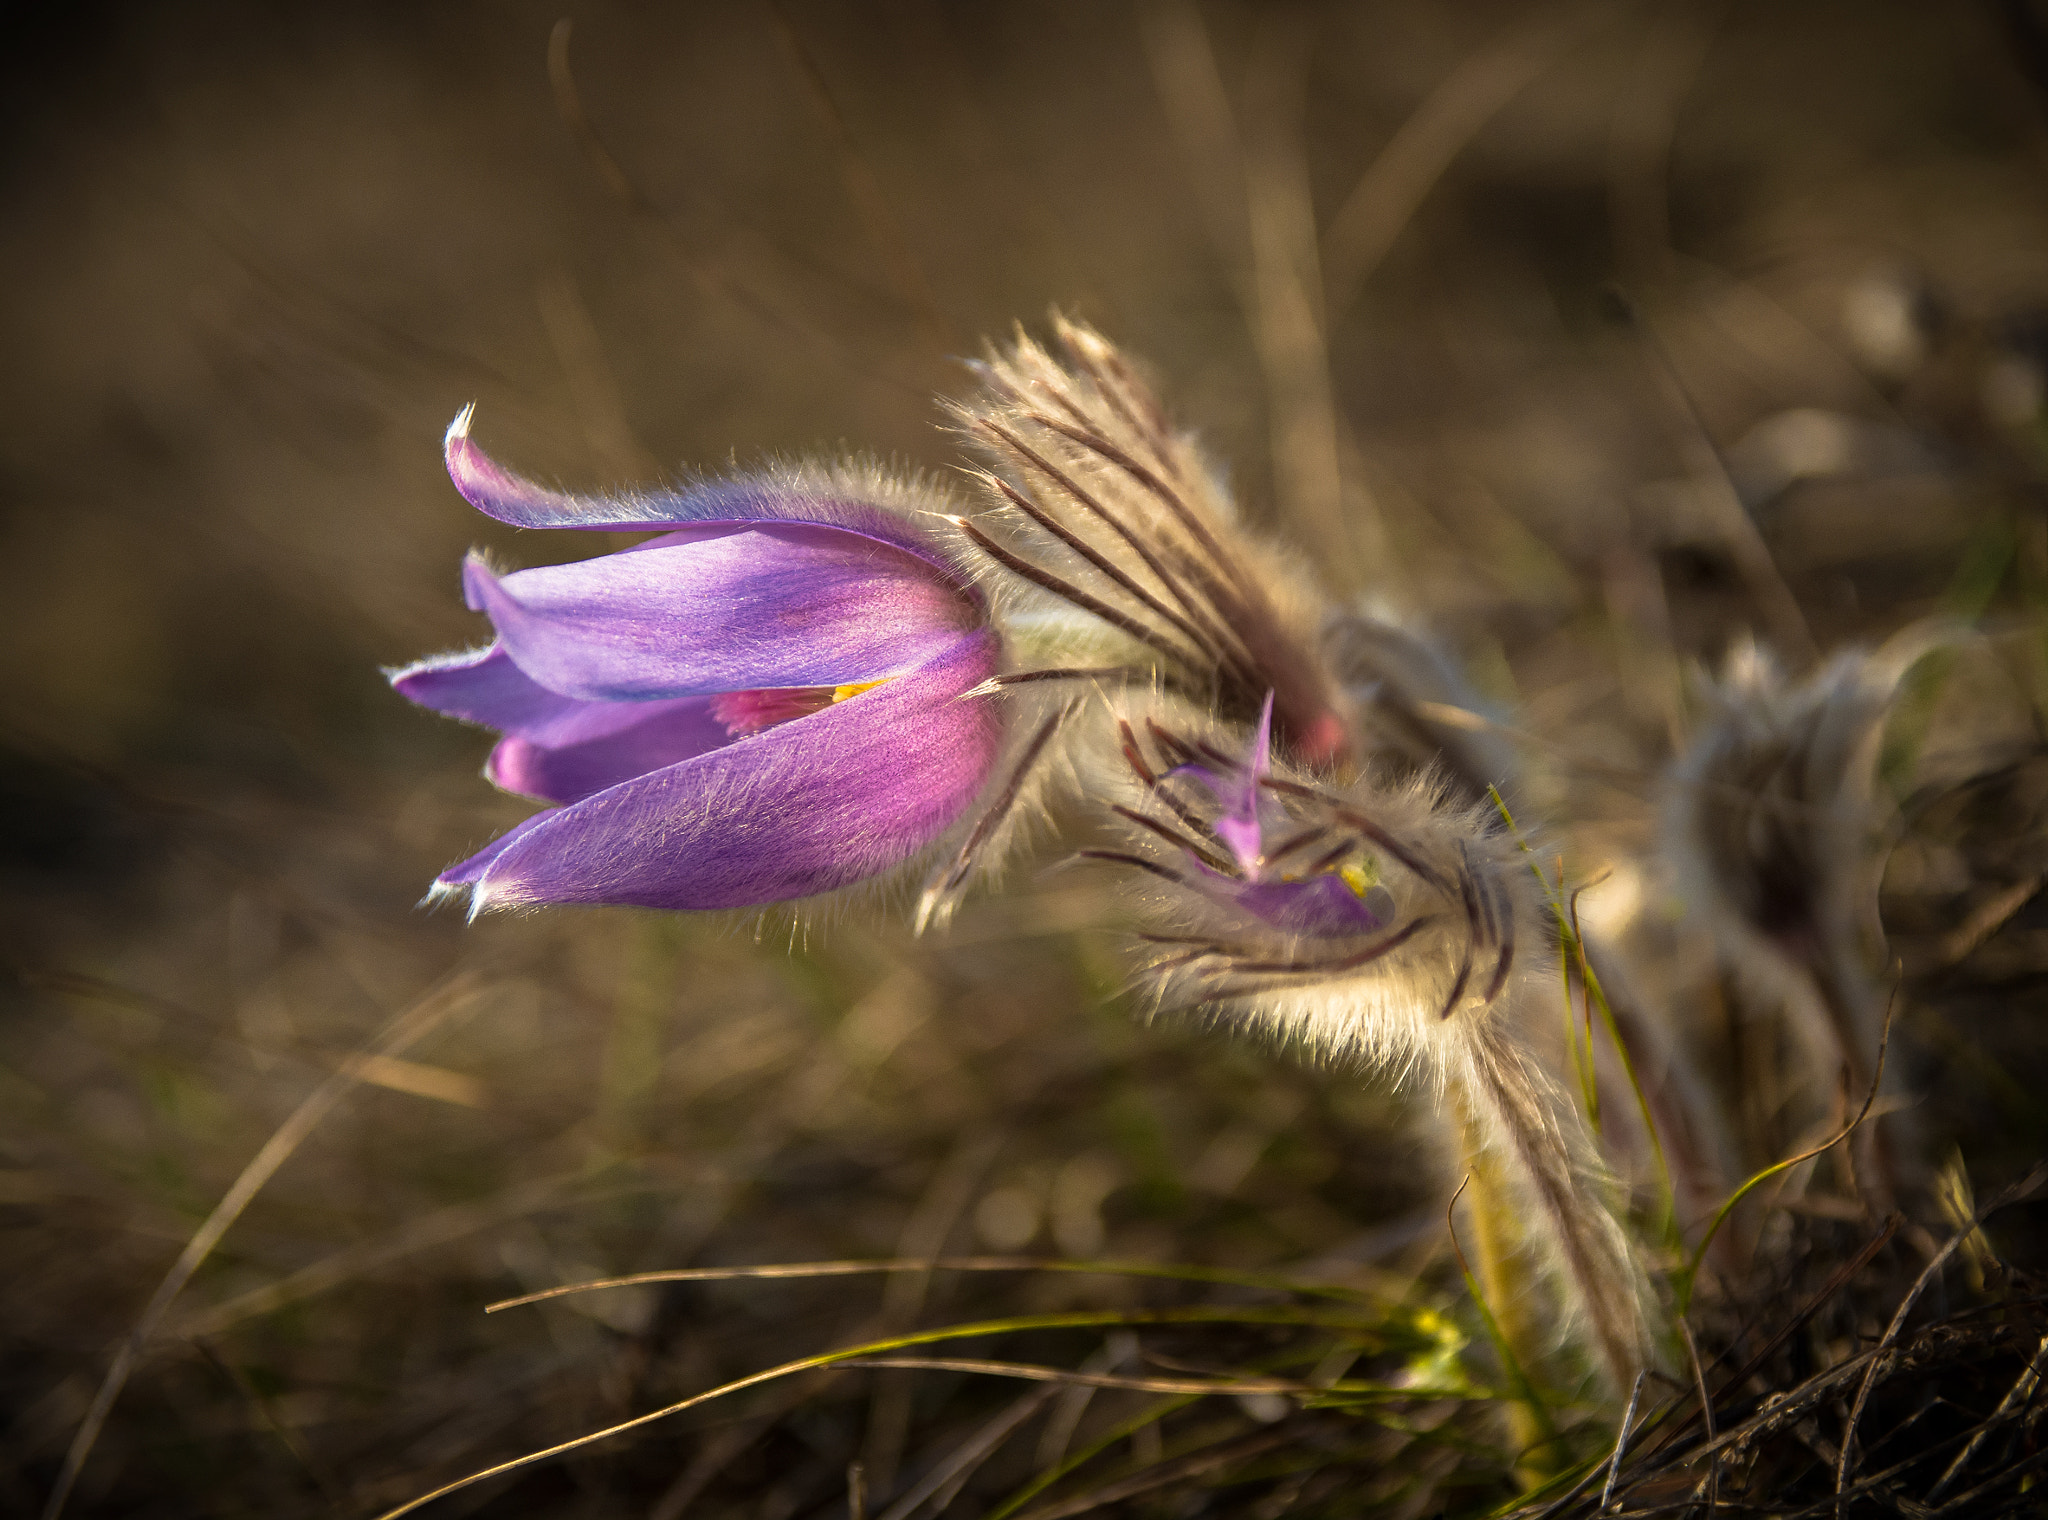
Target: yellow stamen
1360,876
854,689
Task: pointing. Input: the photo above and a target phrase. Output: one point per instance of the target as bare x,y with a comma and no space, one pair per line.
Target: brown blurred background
1384,256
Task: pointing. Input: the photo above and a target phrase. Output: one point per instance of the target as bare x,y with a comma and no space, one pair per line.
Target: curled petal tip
477,476
496,492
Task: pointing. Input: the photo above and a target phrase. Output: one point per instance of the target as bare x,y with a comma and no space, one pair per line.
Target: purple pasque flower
1352,916
1300,890
768,700
1376,925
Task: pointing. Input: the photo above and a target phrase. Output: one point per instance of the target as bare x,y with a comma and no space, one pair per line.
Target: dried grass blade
1085,1319
2021,1392
1193,1465
400,1032
1116,1433
1682,1283
852,1268
1881,1352
977,1449
1033,1372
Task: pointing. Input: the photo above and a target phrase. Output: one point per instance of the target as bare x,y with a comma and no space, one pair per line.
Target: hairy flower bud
1125,528
1379,926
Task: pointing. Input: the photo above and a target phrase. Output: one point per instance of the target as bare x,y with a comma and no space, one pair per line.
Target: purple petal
1237,794
510,498
482,685
705,611
557,748
1322,907
625,739
467,872
497,492
1238,826
807,806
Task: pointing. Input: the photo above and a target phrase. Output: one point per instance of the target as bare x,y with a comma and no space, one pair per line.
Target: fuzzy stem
1500,1271
1530,1129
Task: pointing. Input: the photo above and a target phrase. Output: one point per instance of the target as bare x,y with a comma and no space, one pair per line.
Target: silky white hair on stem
1373,926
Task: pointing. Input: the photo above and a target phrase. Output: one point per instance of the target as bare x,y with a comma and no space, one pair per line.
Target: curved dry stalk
1085,1319
400,1032
1880,1353
1415,158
